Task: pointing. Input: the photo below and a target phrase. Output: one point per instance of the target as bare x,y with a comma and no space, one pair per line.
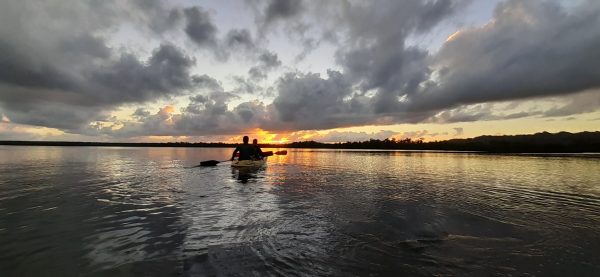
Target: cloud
66,75
76,69
213,116
267,62
558,106
206,82
157,15
204,116
282,9
307,101
240,38
129,80
69,101
374,58
478,65
200,28
248,85
529,49
10,131
586,102
375,52
141,113
459,131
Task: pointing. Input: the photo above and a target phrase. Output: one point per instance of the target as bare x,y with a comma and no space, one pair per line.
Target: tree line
544,142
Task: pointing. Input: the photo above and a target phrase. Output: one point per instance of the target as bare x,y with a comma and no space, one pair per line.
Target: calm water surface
68,211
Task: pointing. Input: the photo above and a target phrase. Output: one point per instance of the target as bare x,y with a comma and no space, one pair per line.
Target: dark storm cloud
65,75
530,49
246,85
17,68
215,118
585,102
205,115
86,44
200,27
240,38
305,101
141,113
54,115
70,72
282,9
310,102
385,81
124,80
480,65
129,80
486,112
206,82
376,55
375,59
155,14
267,61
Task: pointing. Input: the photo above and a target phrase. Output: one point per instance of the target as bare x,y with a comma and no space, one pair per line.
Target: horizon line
284,143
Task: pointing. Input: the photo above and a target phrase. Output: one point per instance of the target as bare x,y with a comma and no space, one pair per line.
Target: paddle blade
282,152
209,163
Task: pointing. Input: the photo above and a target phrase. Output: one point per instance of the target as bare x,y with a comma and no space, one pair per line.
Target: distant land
562,142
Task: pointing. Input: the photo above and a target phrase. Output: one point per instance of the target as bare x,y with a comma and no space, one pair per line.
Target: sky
292,70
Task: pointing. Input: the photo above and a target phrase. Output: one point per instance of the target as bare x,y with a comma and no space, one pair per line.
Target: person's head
254,141
245,139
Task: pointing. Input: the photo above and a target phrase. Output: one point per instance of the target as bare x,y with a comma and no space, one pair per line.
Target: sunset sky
290,70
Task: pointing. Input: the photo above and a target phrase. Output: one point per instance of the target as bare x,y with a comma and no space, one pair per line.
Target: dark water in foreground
140,211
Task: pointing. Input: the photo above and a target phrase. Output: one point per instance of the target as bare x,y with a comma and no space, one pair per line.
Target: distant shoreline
563,142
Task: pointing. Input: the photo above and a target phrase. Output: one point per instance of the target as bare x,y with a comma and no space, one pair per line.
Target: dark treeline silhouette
118,144
545,142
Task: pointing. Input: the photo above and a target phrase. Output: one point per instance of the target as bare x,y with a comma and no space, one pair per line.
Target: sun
268,137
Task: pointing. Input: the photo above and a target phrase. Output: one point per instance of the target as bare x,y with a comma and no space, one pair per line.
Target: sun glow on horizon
267,137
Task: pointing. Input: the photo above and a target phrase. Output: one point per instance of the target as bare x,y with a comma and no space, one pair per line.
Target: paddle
211,162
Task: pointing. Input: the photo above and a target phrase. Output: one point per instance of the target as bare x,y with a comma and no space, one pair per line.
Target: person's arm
234,152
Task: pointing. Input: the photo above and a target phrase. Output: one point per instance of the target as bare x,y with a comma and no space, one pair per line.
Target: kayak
249,163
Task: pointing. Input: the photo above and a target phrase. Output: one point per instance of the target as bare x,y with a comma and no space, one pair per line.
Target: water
68,211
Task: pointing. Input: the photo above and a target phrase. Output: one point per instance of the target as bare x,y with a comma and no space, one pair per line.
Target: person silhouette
246,150
257,151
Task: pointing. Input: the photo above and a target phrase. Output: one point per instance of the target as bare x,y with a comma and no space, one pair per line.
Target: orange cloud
453,36
167,114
